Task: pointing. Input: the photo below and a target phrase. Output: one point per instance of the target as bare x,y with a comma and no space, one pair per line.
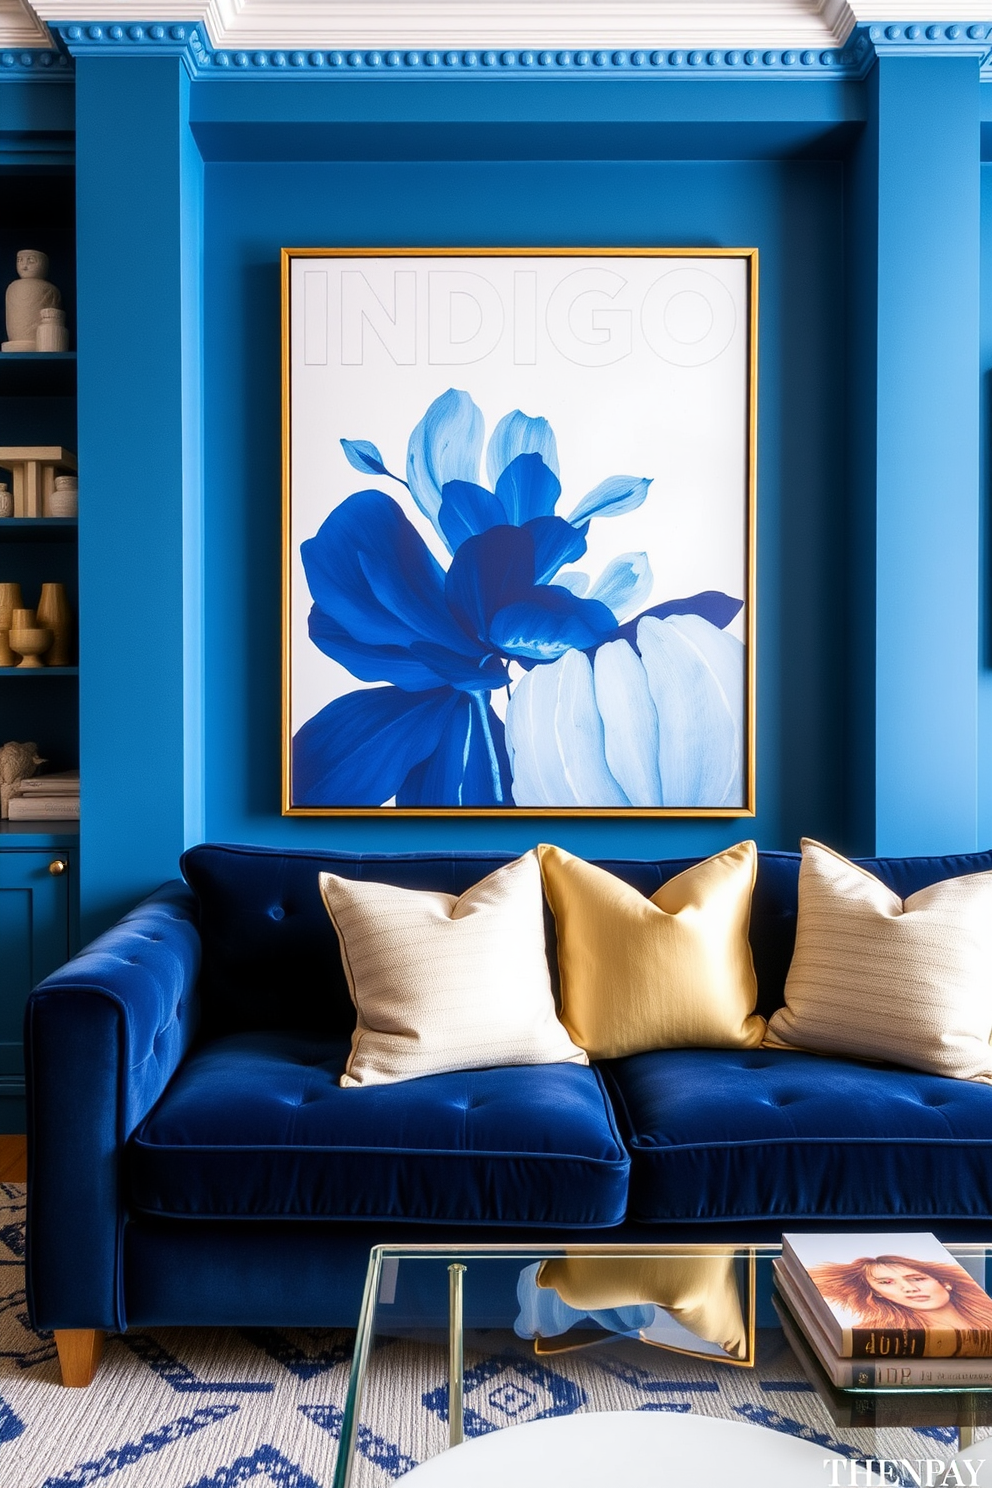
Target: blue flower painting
495,671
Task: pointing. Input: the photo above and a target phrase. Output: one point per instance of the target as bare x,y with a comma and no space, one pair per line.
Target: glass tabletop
454,1343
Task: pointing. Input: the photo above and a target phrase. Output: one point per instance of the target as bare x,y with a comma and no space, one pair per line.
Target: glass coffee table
455,1344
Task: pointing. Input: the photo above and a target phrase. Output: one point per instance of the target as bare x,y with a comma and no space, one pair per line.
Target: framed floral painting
519,531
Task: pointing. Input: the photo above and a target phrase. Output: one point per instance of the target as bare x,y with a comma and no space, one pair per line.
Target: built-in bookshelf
38,407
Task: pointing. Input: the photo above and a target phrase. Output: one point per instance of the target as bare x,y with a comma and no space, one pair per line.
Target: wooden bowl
31,644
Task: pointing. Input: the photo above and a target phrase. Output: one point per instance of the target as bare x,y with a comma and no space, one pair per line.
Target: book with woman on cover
887,1296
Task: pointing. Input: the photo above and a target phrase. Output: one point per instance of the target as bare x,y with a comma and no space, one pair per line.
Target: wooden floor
13,1159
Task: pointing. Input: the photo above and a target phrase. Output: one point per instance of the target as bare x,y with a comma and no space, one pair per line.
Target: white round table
635,1449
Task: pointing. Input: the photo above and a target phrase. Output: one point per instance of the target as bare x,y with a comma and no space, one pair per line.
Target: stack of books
46,798
890,1311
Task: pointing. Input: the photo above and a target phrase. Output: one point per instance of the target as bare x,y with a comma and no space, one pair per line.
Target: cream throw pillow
444,983
878,978
670,972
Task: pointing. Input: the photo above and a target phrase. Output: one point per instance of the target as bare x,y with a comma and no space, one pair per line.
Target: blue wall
874,720
790,211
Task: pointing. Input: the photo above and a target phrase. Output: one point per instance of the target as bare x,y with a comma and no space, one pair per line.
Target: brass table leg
456,1355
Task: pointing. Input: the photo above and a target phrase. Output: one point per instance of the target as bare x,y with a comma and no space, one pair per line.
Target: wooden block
34,468
53,452
79,1351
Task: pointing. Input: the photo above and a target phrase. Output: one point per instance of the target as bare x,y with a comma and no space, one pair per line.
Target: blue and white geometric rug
262,1408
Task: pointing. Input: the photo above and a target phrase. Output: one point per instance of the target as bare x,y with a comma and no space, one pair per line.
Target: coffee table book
901,1373
805,1259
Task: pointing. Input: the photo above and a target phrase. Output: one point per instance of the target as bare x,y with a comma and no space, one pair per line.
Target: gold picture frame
408,684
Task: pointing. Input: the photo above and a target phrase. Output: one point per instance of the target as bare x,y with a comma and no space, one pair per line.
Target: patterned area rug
262,1408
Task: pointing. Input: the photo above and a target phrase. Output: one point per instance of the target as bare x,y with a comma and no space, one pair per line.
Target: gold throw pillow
670,972
875,977
698,1291
447,983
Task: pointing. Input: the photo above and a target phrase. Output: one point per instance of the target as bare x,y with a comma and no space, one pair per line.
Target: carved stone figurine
17,763
27,296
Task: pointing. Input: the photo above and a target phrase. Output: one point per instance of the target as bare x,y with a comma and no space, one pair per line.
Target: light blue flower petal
364,456
611,498
516,434
573,579
554,736
445,446
624,584
630,723
696,676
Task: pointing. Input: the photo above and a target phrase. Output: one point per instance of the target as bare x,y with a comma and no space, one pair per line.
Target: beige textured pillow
878,978
442,983
670,972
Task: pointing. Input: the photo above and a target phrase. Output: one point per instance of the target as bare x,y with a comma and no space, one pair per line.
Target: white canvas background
668,402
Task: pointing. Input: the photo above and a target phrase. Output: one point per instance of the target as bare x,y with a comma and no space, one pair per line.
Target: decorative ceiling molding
674,37
20,27
852,61
499,24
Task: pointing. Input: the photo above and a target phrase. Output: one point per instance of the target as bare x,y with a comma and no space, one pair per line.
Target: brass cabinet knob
57,866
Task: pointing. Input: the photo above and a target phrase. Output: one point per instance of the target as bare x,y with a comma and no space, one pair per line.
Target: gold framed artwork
518,531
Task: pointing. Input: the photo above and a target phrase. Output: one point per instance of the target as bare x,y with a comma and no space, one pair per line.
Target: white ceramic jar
64,500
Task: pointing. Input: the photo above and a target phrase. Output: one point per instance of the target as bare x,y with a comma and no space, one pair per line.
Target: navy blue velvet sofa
193,1159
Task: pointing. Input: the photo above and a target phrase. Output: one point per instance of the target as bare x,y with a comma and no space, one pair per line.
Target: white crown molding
20,27
250,24
240,24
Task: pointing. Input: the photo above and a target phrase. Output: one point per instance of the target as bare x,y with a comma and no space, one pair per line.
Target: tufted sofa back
271,957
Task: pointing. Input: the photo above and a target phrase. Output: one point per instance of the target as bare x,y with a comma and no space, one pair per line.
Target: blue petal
554,736
487,573
466,510
630,722
363,456
624,583
549,622
555,542
469,767
516,434
573,579
718,608
612,497
527,489
445,446
375,663
359,749
373,578
696,676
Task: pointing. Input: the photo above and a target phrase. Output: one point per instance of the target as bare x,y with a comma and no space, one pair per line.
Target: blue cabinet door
34,940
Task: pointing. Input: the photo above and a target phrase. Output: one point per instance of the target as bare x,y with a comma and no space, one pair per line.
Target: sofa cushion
255,1126
747,1134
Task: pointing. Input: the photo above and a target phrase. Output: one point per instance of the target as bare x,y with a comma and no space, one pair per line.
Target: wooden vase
55,615
10,600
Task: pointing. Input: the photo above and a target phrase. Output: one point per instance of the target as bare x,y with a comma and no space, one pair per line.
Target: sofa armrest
103,1036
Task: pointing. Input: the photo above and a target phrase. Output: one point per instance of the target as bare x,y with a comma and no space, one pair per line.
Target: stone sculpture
17,763
27,296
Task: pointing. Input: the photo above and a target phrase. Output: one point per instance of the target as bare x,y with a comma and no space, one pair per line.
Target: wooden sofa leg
79,1352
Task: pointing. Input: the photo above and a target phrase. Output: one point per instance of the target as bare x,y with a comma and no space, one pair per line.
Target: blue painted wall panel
985,527
791,211
134,183
926,635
